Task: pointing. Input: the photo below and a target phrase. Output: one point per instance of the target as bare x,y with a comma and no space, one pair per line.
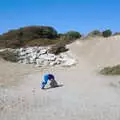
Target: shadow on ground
53,87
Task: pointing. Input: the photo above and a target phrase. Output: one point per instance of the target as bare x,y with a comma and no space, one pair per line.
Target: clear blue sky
64,15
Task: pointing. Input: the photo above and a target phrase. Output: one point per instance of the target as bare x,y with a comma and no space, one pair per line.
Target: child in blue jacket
46,78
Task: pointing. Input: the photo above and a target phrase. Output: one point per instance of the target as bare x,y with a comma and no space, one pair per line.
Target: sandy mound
98,52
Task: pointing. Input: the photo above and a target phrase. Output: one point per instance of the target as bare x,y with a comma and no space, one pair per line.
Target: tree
72,35
107,33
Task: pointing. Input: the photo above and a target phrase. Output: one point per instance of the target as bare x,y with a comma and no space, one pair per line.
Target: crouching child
46,78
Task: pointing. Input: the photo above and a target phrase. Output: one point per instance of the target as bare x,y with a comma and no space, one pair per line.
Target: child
45,80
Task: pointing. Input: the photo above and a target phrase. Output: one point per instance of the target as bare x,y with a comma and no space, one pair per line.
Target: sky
64,15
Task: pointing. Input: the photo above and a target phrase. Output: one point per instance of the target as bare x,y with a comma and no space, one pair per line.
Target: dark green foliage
115,70
107,33
22,36
30,33
72,35
60,35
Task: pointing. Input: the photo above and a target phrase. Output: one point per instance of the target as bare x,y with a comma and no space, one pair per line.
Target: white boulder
46,63
39,62
53,63
43,51
69,62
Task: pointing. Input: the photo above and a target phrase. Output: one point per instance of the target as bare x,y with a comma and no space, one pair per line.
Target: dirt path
85,95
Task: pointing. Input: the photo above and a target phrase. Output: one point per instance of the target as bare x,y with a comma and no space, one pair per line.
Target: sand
85,94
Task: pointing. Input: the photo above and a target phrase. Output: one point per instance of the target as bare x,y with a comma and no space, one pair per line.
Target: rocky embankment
40,56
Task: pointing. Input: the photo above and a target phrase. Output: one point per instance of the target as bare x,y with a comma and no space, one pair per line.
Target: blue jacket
47,77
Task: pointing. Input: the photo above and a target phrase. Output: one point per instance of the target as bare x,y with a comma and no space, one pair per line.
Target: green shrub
115,70
95,33
107,33
30,33
72,35
18,37
60,35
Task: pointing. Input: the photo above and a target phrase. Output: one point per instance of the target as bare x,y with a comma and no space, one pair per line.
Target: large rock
22,53
69,62
59,60
49,57
39,62
32,60
46,63
53,63
29,50
33,55
25,61
22,57
43,51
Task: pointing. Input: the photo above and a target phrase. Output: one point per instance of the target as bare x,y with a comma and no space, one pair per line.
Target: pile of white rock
40,56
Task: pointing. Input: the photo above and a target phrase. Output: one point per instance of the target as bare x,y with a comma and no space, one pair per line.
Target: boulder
49,57
39,62
43,51
25,61
46,63
23,53
69,62
53,63
29,50
31,60
22,57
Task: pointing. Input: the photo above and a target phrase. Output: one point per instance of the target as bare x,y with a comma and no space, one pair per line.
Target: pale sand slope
85,95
